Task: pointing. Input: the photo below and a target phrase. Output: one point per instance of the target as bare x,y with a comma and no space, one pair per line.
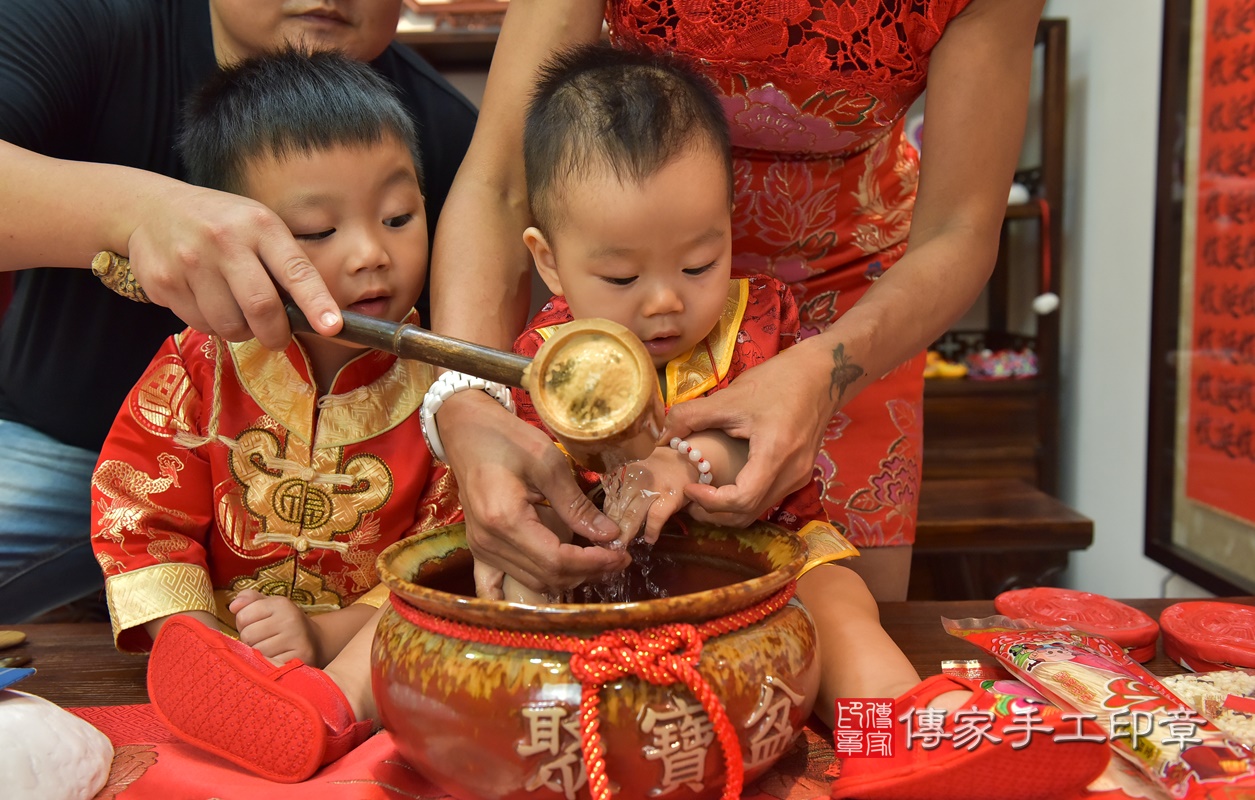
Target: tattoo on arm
844,373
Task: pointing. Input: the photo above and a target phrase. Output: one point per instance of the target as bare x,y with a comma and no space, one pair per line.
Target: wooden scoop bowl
592,383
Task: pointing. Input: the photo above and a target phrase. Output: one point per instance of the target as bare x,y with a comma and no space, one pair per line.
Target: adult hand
784,430
504,468
214,259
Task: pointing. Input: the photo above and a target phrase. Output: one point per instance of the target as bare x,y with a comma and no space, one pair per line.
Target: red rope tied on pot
662,655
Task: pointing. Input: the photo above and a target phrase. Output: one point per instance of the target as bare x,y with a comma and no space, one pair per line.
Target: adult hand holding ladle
593,385
592,382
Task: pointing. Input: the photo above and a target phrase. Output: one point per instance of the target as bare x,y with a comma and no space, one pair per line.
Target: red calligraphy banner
1220,433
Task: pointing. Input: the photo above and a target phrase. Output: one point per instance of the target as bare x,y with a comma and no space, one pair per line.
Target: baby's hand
648,492
275,626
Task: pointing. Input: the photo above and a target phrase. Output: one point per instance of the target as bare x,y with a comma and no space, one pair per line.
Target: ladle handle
410,341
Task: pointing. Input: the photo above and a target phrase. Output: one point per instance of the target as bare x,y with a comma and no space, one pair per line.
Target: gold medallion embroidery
302,500
162,396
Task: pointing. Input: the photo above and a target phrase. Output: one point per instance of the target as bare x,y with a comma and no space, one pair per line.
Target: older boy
253,490
90,95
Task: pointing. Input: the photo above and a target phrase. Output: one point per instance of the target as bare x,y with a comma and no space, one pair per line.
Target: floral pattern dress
815,93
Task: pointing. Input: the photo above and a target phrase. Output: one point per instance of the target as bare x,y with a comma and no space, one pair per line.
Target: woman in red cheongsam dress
882,253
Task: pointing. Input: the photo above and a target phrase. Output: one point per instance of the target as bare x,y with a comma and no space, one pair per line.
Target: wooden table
979,537
78,665
916,627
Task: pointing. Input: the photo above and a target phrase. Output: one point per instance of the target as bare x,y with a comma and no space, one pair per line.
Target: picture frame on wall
1200,499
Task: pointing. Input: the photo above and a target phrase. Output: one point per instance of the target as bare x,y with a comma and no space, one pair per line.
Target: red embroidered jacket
297,497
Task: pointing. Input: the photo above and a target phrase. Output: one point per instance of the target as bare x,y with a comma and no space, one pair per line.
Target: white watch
444,387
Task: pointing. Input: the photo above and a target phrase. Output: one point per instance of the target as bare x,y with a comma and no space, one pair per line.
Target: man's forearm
60,213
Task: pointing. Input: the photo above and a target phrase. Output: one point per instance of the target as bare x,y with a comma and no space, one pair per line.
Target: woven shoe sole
229,704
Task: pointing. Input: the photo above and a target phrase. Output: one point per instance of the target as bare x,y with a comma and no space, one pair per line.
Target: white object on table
47,752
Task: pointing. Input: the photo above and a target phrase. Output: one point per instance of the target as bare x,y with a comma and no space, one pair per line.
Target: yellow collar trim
272,380
698,371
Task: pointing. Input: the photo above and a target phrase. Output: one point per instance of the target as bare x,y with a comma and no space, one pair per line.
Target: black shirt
105,81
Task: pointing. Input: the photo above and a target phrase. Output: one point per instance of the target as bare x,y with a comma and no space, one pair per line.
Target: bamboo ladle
592,382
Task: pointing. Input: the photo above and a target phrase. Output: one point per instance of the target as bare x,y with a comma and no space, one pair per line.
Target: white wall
1108,227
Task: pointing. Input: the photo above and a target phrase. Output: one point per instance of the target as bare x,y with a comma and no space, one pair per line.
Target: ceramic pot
685,694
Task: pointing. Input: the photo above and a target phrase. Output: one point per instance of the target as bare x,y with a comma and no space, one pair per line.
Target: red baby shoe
1043,769
219,694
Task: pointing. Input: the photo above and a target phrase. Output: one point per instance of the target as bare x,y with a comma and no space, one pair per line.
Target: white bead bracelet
694,455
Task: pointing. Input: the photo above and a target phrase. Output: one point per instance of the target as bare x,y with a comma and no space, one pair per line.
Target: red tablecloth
149,762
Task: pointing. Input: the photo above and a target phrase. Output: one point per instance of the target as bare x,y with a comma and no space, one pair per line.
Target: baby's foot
282,723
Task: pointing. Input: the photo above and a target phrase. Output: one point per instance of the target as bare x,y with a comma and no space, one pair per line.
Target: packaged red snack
1053,607
1227,698
1093,678
1206,635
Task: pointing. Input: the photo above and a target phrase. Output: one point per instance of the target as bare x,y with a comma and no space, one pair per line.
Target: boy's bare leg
885,570
857,657
351,671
